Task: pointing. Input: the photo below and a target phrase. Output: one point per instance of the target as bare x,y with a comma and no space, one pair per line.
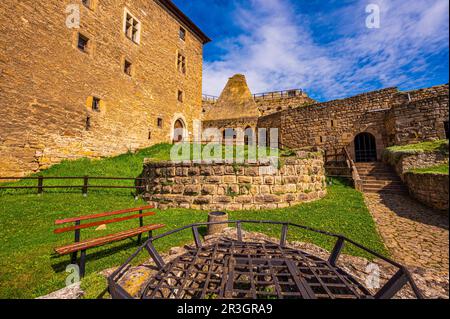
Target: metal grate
232,269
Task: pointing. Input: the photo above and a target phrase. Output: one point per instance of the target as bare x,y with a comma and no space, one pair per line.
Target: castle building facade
93,78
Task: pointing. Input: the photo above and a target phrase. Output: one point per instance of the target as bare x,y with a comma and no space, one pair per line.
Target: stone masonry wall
46,81
418,121
403,163
391,116
219,186
430,189
333,125
267,106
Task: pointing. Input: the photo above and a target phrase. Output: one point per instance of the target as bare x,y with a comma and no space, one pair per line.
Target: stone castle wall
418,121
387,114
220,186
430,189
269,105
47,82
402,163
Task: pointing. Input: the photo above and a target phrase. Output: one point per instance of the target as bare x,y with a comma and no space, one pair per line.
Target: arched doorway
178,131
365,148
248,136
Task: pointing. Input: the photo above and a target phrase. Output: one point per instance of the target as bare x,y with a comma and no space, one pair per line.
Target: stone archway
179,131
365,148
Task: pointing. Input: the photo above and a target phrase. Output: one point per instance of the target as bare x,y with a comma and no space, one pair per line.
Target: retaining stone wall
430,189
221,186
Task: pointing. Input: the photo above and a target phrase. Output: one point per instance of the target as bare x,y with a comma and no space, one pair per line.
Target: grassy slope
438,169
424,147
26,224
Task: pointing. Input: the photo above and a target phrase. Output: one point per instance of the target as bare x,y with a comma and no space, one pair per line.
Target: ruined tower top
236,101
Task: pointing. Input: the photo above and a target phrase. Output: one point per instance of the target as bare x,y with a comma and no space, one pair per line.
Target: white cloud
277,49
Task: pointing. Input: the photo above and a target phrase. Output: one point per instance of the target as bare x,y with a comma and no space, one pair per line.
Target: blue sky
323,47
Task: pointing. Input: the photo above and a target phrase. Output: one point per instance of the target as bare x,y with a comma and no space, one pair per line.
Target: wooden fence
40,186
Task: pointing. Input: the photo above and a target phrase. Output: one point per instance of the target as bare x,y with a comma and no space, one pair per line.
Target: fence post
40,184
85,185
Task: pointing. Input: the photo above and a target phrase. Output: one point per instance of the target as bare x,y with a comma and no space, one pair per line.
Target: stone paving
416,236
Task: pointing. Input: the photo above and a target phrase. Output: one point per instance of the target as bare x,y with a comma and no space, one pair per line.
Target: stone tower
236,101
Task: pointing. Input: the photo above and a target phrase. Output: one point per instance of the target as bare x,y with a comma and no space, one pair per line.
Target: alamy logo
73,18
373,20
74,275
373,277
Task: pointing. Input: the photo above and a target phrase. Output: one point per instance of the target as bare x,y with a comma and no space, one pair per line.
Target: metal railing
209,98
84,187
278,94
388,291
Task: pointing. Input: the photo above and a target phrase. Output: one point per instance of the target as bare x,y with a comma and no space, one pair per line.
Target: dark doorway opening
178,132
365,148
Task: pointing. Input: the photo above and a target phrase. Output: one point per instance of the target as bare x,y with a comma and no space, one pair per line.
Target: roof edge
172,8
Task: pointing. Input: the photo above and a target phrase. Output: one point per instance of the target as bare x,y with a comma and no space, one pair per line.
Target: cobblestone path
416,236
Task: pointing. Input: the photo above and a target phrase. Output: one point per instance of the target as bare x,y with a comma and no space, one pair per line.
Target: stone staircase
378,177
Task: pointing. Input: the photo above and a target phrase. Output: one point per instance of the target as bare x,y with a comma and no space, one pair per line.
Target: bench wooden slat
64,250
101,215
101,222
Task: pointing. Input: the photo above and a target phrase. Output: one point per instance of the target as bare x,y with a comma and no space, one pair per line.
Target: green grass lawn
424,147
29,268
438,169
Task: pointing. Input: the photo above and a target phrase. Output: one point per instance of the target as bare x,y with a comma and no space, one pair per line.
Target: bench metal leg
73,258
150,234
139,238
82,263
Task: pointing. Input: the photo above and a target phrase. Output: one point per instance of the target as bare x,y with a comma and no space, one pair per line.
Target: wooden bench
82,246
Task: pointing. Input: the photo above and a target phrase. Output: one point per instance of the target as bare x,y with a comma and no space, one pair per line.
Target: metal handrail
276,94
393,285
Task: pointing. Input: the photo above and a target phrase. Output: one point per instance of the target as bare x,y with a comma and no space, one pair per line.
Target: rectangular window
181,63
180,96
127,65
88,123
96,104
83,42
160,122
132,27
182,34
446,130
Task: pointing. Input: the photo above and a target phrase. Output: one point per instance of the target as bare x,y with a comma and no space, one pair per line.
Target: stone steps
380,178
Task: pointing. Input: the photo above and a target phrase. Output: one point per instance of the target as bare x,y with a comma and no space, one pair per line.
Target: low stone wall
430,189
404,162
220,186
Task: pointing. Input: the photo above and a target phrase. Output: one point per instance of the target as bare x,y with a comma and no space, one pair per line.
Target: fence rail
84,188
209,98
278,94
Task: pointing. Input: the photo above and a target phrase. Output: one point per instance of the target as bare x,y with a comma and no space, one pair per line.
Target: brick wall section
417,121
219,186
430,189
46,81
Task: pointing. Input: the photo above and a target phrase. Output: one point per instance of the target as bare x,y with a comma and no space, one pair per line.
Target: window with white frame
132,27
